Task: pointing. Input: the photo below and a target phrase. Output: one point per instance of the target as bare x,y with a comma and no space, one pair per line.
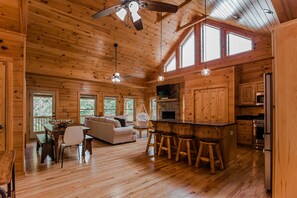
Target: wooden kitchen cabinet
260,87
247,94
245,132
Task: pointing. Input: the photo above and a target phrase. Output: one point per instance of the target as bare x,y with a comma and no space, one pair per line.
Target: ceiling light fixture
116,78
121,13
161,77
134,7
205,71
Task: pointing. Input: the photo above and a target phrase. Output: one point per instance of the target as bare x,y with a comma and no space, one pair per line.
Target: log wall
12,47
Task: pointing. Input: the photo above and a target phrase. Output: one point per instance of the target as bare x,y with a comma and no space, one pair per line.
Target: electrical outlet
231,132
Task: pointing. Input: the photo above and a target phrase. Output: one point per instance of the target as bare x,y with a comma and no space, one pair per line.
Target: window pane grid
129,108
110,106
153,108
87,107
211,43
171,65
188,51
237,43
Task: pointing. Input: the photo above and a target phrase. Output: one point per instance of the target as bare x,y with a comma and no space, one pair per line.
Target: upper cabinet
260,87
247,94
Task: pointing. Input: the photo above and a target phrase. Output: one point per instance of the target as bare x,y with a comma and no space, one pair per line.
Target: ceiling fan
129,9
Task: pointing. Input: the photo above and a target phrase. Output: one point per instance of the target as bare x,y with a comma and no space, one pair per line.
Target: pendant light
161,77
205,71
116,78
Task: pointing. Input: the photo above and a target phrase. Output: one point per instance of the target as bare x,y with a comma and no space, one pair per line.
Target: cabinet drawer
245,129
244,139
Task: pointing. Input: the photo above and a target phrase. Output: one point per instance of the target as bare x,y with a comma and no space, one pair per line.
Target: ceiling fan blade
159,6
106,12
138,24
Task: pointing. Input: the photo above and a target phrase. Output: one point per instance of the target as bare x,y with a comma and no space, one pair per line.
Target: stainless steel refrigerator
268,130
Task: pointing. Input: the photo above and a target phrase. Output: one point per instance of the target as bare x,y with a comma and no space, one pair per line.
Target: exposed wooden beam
283,9
161,17
190,24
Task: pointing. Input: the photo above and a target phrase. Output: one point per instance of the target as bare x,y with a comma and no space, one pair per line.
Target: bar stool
188,139
156,134
168,136
210,142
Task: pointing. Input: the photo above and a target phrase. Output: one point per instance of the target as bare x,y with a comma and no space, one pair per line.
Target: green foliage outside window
129,108
110,106
42,106
87,107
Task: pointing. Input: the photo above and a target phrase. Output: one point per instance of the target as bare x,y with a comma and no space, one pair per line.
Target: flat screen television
169,91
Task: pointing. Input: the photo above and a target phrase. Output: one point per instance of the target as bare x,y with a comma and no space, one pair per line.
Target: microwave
260,98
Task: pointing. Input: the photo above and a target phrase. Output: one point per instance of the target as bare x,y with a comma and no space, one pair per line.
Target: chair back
73,135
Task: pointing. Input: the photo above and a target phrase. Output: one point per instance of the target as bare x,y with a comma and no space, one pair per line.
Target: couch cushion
116,123
121,120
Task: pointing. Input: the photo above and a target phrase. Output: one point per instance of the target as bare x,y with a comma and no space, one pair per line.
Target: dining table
55,132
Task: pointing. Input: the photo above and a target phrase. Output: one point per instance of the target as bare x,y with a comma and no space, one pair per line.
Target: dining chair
73,136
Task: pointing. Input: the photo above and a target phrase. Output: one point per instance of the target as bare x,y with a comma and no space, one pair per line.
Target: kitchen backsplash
252,110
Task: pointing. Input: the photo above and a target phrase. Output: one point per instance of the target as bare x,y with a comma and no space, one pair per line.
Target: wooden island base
226,132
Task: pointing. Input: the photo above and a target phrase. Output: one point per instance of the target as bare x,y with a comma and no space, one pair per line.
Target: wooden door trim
9,98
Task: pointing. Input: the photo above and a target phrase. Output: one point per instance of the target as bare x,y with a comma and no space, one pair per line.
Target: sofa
110,130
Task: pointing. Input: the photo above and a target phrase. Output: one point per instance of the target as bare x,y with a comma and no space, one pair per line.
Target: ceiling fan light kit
116,78
133,7
121,13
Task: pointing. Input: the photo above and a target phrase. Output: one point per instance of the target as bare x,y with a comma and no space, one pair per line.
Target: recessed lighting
268,11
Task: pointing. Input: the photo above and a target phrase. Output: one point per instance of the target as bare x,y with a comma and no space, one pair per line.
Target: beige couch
109,130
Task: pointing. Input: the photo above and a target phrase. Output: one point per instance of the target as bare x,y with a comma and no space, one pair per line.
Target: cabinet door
260,87
211,105
245,132
247,94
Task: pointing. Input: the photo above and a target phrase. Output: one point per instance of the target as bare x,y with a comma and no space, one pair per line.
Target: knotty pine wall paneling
217,78
284,137
68,93
13,46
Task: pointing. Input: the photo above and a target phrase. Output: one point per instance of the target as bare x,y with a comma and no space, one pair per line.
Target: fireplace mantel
168,100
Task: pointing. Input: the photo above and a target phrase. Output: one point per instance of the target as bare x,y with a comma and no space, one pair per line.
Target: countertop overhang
189,122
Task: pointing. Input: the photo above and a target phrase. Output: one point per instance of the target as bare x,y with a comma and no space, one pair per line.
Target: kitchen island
226,132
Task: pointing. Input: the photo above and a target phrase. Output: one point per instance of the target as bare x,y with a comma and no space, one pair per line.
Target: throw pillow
122,121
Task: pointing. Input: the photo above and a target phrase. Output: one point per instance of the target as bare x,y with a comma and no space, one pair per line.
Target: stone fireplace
168,109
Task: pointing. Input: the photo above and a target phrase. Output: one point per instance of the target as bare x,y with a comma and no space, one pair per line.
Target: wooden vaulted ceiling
63,39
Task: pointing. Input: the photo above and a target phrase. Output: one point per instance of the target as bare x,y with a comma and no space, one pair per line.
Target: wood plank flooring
125,170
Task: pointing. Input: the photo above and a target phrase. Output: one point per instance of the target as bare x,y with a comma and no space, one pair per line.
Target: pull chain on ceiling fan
130,8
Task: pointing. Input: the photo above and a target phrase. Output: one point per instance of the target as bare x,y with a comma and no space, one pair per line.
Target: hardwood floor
127,171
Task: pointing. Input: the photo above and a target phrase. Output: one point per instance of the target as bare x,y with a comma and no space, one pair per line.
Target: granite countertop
215,124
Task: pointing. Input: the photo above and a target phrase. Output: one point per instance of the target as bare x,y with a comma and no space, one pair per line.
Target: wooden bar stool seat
169,136
188,139
210,142
155,134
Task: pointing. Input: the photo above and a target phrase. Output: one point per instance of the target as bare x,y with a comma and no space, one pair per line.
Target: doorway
42,110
